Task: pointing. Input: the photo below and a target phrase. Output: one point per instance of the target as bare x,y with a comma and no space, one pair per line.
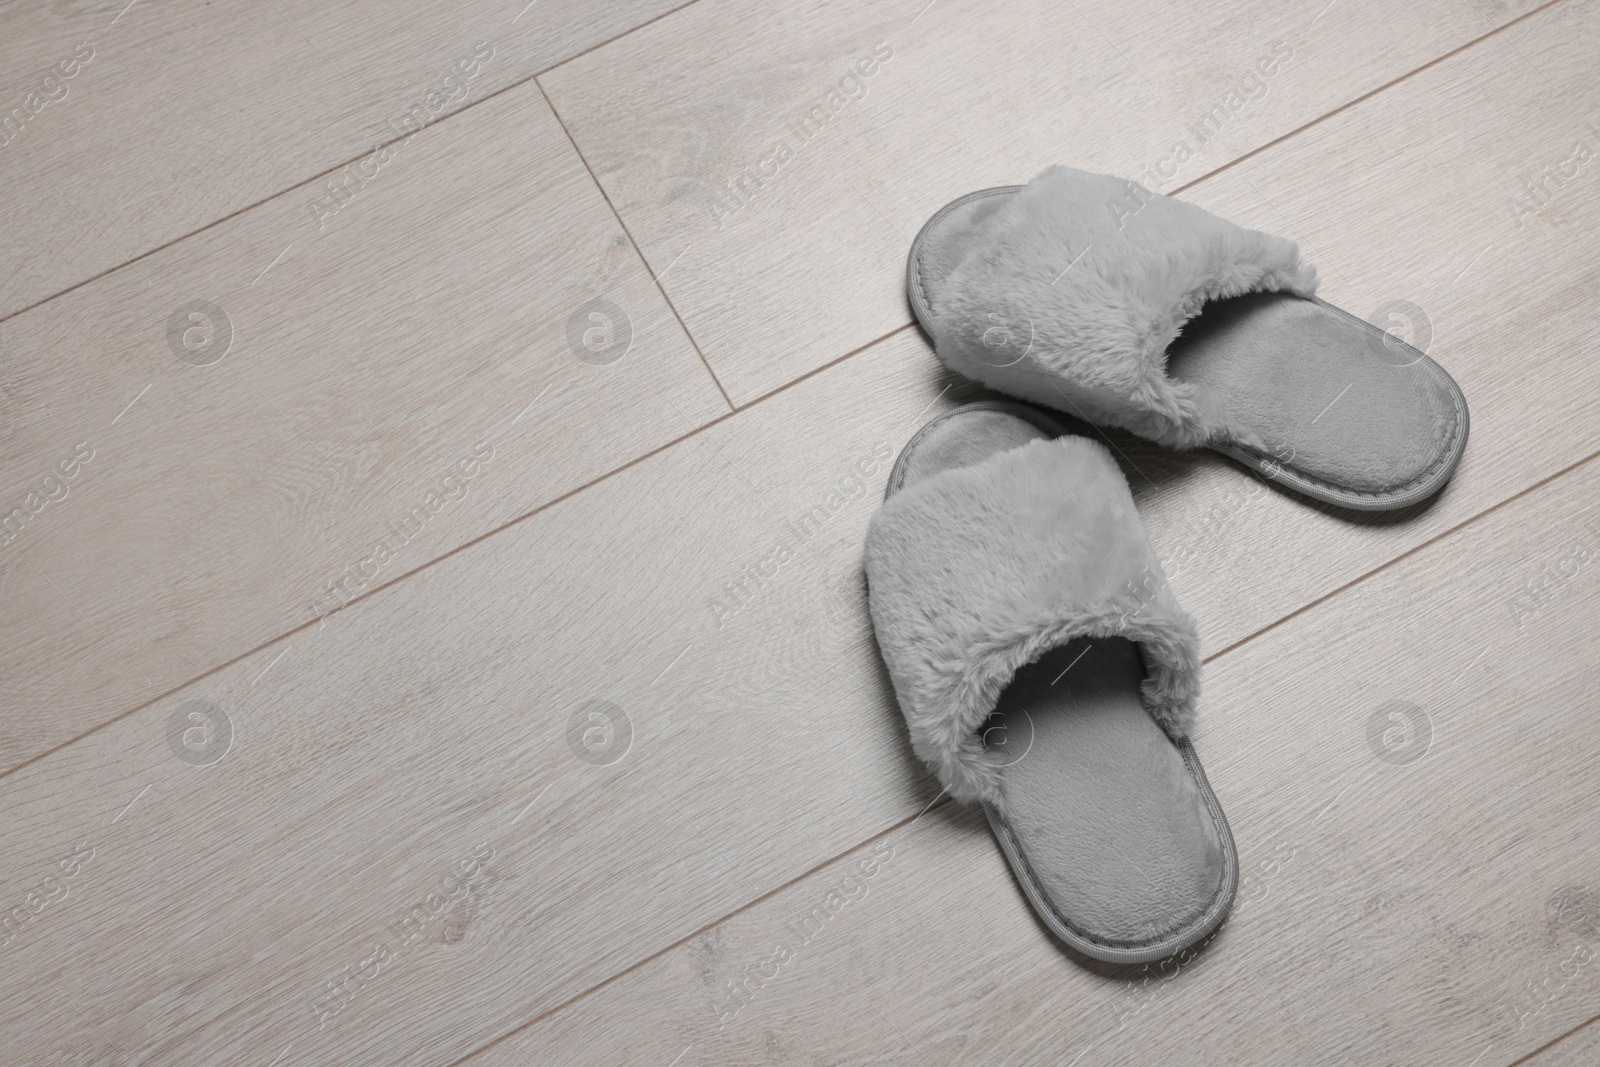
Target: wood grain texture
1420,196
372,754
712,592
277,902
1504,302
1391,912
413,354
759,217
1488,114
1575,1050
186,112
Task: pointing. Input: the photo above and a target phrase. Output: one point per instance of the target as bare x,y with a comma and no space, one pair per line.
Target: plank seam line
1347,105
938,803
713,422
1547,1046
655,278
556,66
944,800
552,502
1408,553
203,675
313,179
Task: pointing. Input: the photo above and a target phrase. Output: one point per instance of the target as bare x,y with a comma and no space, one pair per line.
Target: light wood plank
179,113
971,95
384,747
374,752
1506,304
1417,196
1242,550
1575,1050
1390,913
426,718
426,327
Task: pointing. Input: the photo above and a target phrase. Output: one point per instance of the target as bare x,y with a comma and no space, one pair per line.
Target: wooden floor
389,395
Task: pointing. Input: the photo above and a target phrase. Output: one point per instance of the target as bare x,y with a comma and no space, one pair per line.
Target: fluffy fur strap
1077,285
977,571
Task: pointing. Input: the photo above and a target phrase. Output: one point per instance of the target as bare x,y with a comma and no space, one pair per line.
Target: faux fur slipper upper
1046,670
1092,295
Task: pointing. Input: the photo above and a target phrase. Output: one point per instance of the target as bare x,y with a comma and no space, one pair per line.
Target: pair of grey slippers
1042,662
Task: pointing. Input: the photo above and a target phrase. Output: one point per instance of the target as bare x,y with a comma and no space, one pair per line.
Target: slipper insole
1342,411
1320,387
1112,825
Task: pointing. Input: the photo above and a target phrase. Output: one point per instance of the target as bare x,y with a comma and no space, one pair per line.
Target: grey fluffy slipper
1072,291
1046,670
